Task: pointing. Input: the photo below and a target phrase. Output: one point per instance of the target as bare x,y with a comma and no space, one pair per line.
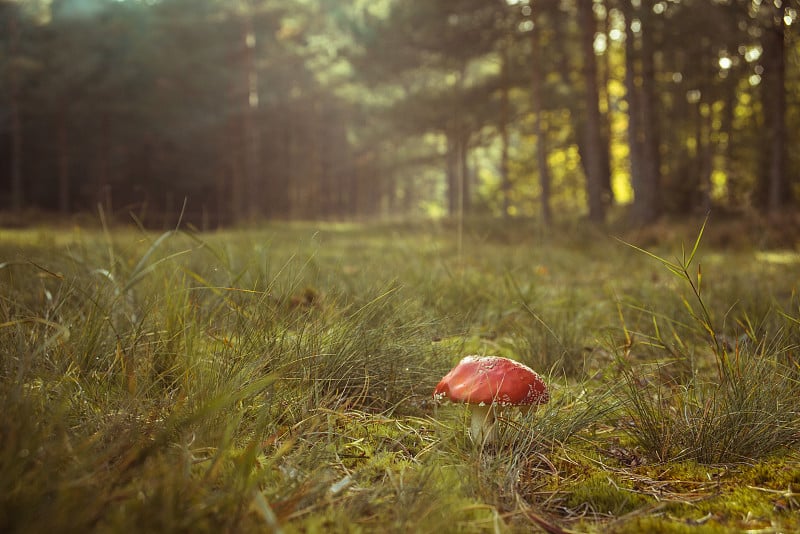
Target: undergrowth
280,379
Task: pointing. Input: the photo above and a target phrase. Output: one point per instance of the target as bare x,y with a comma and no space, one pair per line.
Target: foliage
272,109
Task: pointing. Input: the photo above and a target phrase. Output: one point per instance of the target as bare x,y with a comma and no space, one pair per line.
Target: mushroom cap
492,380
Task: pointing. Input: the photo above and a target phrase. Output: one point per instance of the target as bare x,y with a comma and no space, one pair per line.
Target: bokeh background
236,111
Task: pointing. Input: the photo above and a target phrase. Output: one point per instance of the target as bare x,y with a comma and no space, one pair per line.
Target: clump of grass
749,410
366,359
750,416
513,472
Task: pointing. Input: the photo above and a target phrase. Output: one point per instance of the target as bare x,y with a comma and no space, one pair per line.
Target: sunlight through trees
264,109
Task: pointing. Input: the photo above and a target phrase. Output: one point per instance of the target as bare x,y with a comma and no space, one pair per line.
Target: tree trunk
280,200
390,185
102,164
451,172
706,153
251,132
464,173
728,162
593,132
63,163
322,170
633,98
503,127
17,192
457,171
700,184
643,163
233,141
537,81
651,152
775,107
603,96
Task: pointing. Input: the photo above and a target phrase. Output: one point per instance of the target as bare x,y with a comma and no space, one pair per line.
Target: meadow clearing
279,379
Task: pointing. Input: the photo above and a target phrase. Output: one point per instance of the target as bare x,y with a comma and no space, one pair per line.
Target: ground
279,378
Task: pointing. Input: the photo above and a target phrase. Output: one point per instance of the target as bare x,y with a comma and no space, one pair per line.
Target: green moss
659,524
601,493
777,472
333,521
685,477
742,507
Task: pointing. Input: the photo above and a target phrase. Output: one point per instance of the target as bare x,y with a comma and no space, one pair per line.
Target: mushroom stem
482,426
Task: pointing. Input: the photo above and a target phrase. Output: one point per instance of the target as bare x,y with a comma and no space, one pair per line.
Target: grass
745,410
280,379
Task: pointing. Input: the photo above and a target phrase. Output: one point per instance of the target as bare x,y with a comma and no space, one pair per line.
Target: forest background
249,110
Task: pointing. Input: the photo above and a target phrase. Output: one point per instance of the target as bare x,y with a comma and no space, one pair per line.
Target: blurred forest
338,109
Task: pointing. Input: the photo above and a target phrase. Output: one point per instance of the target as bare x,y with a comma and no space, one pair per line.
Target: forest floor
279,379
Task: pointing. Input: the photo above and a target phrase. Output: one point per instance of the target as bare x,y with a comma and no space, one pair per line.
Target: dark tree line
260,109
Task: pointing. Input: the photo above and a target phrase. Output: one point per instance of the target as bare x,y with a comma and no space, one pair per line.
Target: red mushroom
489,382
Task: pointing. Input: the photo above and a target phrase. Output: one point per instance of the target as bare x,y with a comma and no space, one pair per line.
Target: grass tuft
748,409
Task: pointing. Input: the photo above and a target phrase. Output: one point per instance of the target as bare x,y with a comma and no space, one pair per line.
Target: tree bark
651,152
17,191
323,174
63,163
451,172
728,161
593,133
537,83
604,73
503,127
775,106
644,163
706,152
251,132
633,98
464,173
234,141
391,193
457,171
282,204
